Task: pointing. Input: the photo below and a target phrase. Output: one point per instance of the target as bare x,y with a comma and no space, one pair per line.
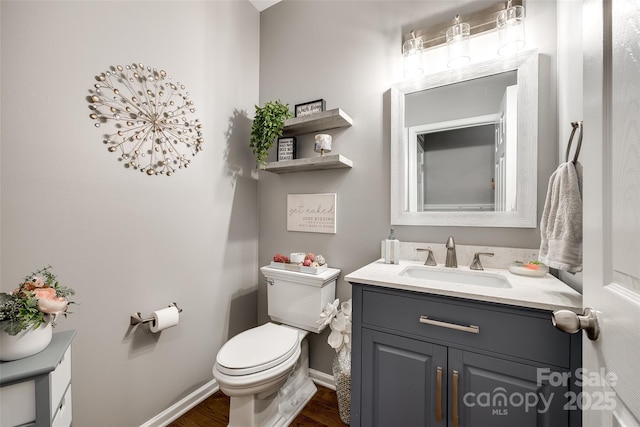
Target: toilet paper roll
165,318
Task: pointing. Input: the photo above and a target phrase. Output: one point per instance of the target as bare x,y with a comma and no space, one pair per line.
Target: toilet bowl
265,373
265,370
257,360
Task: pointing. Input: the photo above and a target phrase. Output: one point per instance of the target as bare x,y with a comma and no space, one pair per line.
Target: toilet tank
297,299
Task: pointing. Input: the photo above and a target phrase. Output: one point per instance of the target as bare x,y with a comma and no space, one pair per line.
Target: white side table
36,390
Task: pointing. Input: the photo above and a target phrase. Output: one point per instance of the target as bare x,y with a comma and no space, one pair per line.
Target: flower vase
342,379
25,343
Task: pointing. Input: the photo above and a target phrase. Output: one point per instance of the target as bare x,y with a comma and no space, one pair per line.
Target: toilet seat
257,350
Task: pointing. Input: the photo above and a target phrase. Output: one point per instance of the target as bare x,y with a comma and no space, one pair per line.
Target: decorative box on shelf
299,268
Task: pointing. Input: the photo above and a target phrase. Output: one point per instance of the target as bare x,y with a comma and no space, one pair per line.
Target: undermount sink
477,278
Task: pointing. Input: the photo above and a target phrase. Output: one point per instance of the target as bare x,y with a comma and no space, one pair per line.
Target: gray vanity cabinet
488,391
400,376
426,360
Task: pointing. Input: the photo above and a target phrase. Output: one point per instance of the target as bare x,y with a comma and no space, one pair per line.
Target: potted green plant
267,126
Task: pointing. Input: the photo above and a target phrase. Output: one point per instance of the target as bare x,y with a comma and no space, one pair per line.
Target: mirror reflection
464,146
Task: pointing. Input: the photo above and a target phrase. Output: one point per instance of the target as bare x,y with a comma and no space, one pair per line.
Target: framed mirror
464,146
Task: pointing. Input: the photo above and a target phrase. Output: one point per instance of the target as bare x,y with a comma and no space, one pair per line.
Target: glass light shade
458,44
412,58
510,24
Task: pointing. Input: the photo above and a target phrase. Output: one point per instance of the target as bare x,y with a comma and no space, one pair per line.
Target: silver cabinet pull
456,417
471,328
439,394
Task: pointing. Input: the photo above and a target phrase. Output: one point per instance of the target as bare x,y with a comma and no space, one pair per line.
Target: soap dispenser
390,249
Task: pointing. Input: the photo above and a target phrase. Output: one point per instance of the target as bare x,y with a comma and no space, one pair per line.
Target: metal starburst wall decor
150,118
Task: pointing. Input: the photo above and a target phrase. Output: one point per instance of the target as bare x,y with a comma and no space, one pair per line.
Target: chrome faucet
451,260
430,259
476,264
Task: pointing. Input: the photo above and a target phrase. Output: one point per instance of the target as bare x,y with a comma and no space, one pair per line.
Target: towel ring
575,125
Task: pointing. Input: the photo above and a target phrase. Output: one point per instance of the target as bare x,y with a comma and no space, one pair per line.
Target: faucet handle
476,264
430,259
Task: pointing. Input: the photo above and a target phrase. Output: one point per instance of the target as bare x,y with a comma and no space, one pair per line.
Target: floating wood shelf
333,161
323,120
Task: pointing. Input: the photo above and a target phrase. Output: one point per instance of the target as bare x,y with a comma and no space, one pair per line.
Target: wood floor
321,411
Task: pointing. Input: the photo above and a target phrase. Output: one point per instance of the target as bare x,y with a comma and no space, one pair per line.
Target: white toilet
265,370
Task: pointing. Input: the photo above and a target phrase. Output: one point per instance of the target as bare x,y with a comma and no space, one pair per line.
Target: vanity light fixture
510,24
411,50
458,44
417,43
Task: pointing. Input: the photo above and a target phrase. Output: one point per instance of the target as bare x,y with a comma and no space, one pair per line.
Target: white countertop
546,293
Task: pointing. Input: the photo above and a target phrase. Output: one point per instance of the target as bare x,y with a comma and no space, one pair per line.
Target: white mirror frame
525,215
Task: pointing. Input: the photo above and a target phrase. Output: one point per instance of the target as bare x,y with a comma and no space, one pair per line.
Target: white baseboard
323,379
179,408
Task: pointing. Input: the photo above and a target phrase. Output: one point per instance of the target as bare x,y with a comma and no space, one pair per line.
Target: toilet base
280,407
273,412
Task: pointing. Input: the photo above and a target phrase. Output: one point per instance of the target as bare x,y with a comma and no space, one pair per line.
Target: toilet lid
257,349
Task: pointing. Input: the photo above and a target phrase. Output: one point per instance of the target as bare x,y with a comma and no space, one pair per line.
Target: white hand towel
561,224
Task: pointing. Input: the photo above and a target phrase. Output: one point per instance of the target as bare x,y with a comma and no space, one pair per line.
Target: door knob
570,322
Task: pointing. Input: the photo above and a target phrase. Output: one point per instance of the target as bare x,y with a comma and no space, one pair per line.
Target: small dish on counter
531,269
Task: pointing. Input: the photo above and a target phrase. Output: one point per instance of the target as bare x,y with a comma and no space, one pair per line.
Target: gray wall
471,98
349,53
459,166
127,242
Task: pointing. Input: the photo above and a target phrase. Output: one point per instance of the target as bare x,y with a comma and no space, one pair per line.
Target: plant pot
25,343
342,379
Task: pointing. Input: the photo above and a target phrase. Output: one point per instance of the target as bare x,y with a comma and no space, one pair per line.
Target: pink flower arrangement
38,299
49,303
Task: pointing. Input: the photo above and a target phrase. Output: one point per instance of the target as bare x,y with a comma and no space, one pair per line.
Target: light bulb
511,35
458,44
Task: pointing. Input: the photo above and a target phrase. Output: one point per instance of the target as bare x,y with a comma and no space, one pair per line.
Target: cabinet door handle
439,394
471,328
455,399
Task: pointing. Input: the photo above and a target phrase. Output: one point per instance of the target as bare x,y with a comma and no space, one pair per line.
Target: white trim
467,122
182,406
179,408
322,379
458,207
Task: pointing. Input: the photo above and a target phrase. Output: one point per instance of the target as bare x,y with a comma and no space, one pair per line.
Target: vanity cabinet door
487,391
403,381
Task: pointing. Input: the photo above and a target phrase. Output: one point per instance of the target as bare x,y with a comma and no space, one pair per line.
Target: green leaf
267,126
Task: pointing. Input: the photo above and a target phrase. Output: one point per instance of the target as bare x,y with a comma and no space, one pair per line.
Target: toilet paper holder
137,317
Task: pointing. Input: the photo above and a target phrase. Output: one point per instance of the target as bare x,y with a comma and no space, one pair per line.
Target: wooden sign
312,213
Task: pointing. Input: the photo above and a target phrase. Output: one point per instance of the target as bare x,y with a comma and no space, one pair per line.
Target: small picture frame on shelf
308,108
287,148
